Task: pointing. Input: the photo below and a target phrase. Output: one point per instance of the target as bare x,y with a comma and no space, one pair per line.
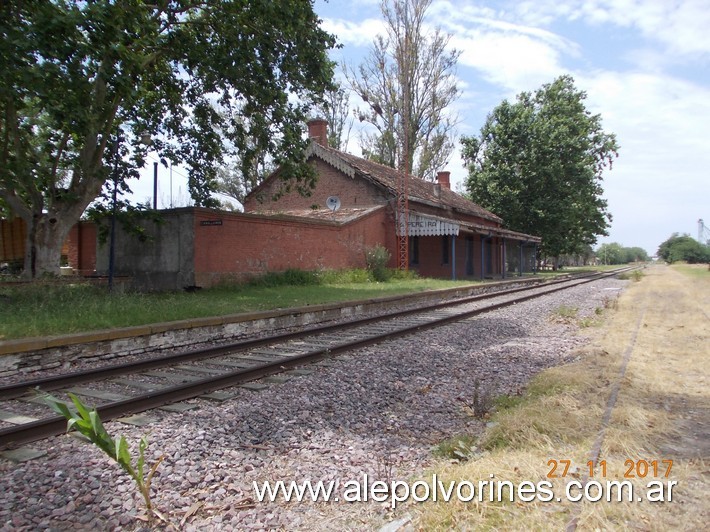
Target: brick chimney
318,131
444,179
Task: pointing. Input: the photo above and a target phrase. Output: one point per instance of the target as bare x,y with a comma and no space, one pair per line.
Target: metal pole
112,245
155,186
453,257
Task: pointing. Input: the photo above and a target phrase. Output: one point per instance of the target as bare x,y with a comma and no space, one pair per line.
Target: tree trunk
43,247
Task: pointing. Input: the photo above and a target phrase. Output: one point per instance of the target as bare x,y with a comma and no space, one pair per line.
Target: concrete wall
164,261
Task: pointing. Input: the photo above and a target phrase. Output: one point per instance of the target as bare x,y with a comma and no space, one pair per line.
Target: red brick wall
12,239
80,247
246,245
352,192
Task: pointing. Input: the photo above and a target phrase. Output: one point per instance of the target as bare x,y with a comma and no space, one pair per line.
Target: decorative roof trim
331,158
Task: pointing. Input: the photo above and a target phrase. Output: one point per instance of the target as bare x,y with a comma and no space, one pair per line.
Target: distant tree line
615,253
683,248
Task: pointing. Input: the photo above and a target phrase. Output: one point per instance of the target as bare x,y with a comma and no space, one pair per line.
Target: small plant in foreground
587,322
564,314
634,275
481,402
88,423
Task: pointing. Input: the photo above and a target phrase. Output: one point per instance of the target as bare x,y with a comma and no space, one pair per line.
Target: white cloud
360,33
513,56
680,26
660,182
511,61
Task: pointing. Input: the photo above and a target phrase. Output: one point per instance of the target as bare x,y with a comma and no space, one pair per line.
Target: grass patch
460,448
42,309
696,271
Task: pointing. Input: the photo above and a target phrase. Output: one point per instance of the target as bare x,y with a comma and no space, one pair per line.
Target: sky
644,65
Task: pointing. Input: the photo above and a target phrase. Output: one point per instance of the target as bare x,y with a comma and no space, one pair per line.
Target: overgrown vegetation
481,402
56,307
564,314
377,259
88,423
697,271
461,448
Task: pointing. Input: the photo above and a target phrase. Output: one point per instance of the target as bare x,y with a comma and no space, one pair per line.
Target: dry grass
661,414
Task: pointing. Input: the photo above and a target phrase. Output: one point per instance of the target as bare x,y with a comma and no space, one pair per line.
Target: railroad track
157,382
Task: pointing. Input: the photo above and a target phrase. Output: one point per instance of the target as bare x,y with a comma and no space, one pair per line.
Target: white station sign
420,225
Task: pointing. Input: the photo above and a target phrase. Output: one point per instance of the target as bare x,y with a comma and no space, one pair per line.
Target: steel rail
14,390
44,428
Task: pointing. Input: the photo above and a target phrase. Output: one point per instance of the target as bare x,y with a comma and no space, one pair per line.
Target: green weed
460,447
88,424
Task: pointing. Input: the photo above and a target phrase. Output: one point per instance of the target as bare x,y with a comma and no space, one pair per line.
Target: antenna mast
403,181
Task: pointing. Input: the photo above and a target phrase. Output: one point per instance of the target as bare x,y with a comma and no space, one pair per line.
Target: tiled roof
419,190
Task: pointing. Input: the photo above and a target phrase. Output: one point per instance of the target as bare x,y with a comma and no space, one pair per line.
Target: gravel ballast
378,411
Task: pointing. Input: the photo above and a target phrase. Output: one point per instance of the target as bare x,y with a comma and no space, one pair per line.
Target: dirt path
650,354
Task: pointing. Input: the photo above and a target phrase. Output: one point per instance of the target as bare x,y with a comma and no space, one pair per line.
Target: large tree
538,163
683,248
408,83
82,81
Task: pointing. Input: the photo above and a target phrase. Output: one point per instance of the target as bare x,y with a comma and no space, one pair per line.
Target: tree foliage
408,82
683,248
615,253
538,163
83,80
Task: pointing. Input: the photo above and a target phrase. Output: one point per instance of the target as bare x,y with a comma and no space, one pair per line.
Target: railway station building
449,236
